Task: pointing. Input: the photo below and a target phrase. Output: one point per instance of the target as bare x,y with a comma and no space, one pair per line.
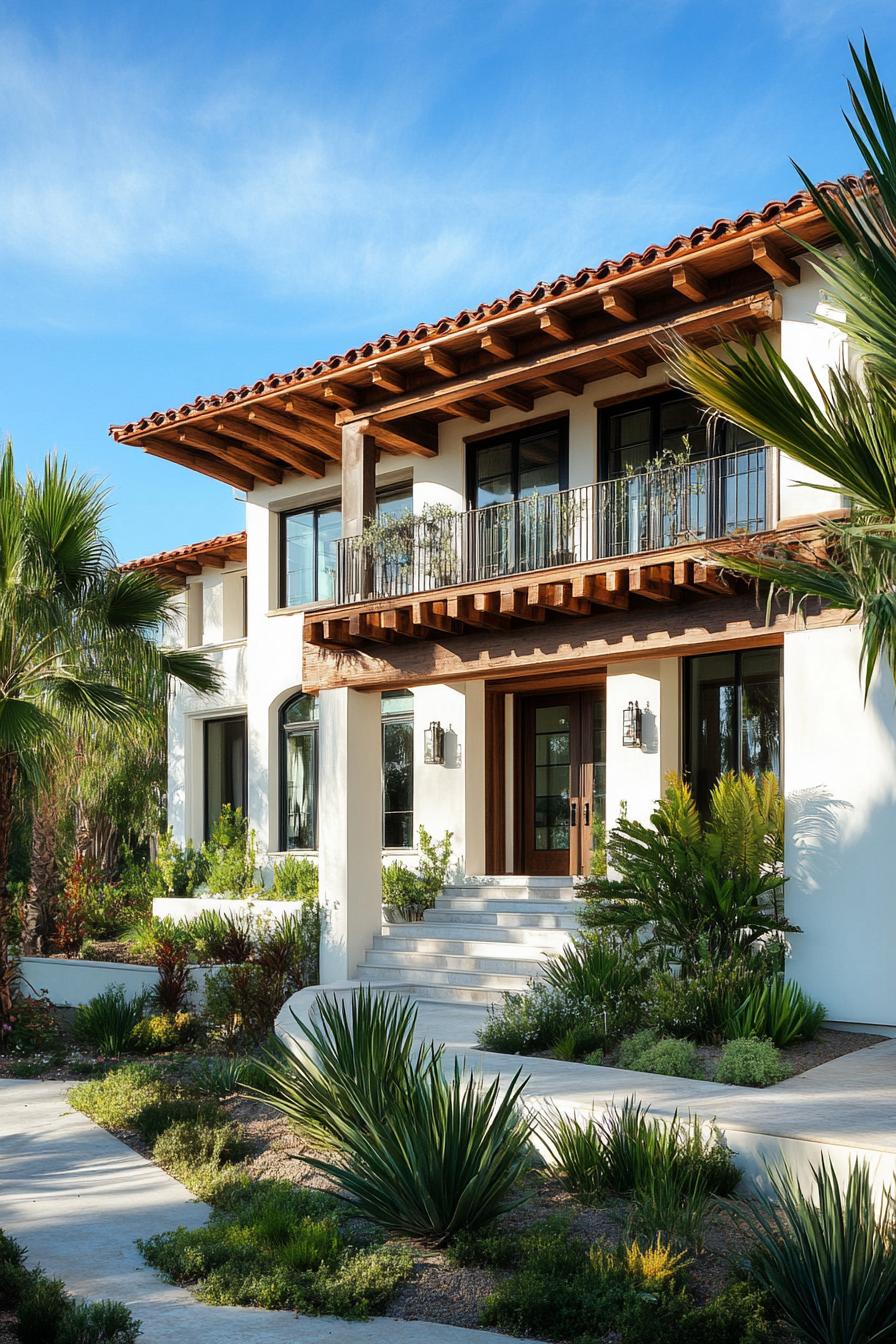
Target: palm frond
191,668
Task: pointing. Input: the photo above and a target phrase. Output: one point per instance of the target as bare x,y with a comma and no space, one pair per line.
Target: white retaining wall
183,909
68,984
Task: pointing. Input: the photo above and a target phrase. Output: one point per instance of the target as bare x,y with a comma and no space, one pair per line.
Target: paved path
77,1198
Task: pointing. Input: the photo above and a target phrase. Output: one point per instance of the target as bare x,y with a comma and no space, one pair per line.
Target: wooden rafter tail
652,582
514,602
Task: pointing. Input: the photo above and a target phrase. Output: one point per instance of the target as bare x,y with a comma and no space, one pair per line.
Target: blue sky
195,195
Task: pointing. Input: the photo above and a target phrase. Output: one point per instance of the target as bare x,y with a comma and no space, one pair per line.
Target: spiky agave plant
445,1158
826,1255
362,1058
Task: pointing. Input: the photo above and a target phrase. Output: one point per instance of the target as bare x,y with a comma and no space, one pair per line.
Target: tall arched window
298,773
398,770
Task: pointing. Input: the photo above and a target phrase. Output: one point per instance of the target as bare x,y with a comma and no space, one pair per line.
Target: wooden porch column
358,477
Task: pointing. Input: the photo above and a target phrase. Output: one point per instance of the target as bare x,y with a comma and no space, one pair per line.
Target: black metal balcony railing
648,511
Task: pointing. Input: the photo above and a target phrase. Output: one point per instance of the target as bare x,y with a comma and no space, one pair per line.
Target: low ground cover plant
139,1098
46,1314
272,1244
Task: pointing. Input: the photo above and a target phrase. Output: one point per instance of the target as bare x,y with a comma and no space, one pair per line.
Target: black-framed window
733,716
398,769
299,772
225,768
673,475
308,554
527,461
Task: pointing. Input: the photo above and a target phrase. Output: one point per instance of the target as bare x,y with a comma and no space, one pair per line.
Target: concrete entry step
452,931
475,946
484,963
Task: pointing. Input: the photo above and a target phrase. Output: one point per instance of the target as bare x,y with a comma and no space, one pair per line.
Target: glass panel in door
552,764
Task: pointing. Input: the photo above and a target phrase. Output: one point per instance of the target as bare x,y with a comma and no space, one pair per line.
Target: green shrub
13,1275
33,1026
445,1158
242,1002
492,1249
294,879
403,890
230,855
700,1007
48,1315
736,1315
288,950
826,1256
695,888
779,1011
163,1031
180,871
525,1023
604,977
222,938
364,1060
751,1062
194,1150
109,1020
278,1246
221,1075
153,1120
433,863
676,1058
633,1047
620,1151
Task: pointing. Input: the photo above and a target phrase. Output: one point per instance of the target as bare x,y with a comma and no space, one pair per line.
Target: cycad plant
843,427
692,888
77,640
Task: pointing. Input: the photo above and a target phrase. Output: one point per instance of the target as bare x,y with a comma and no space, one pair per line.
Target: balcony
653,510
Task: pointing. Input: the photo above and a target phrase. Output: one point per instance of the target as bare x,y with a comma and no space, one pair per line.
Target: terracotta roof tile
683,244
194,551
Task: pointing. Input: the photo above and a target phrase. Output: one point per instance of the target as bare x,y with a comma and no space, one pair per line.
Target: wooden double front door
561,780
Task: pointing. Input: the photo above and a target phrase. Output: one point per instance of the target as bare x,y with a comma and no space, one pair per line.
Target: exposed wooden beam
212,561
554,324
651,581
465,610
619,304
634,363
500,345
564,382
230,450
558,597
420,437
340,394
433,616
401,622
688,281
515,602
760,308
772,260
474,409
388,377
710,580
369,627
595,588
312,464
315,437
205,465
187,567
437,359
309,409
512,396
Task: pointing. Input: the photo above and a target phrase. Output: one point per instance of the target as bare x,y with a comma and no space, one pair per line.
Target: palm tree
73,629
844,428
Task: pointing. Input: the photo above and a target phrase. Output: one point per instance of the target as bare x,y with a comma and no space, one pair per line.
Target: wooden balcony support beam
558,597
433,616
514,602
651,581
595,588
400,621
370,627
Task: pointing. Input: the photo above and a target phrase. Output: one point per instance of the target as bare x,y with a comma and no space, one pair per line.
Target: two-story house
475,593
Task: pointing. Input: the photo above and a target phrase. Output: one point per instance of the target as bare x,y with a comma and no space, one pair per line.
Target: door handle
573,811
586,813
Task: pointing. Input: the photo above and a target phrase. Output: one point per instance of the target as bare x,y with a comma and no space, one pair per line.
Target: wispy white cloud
108,170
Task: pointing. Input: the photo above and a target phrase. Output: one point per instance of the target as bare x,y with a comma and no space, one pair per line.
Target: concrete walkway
845,1109
77,1199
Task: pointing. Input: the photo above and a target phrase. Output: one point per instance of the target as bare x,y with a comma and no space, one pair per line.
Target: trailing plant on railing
427,540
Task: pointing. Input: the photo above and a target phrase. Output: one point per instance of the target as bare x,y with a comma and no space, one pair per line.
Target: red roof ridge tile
189,552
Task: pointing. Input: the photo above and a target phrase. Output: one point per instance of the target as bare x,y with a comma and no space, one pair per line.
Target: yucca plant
826,1256
444,1159
108,1021
777,1010
362,1059
597,970
576,1153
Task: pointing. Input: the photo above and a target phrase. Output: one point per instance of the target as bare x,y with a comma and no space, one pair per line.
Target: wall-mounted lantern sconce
631,725
434,744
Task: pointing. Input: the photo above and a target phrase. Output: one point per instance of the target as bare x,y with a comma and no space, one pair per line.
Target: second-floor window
512,480
308,554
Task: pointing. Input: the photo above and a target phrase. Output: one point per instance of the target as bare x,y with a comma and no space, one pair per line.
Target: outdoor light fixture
434,744
631,725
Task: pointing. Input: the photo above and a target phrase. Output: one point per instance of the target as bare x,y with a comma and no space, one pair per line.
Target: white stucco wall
635,774
840,786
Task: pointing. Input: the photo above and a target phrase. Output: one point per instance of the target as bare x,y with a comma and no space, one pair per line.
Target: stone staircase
480,940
